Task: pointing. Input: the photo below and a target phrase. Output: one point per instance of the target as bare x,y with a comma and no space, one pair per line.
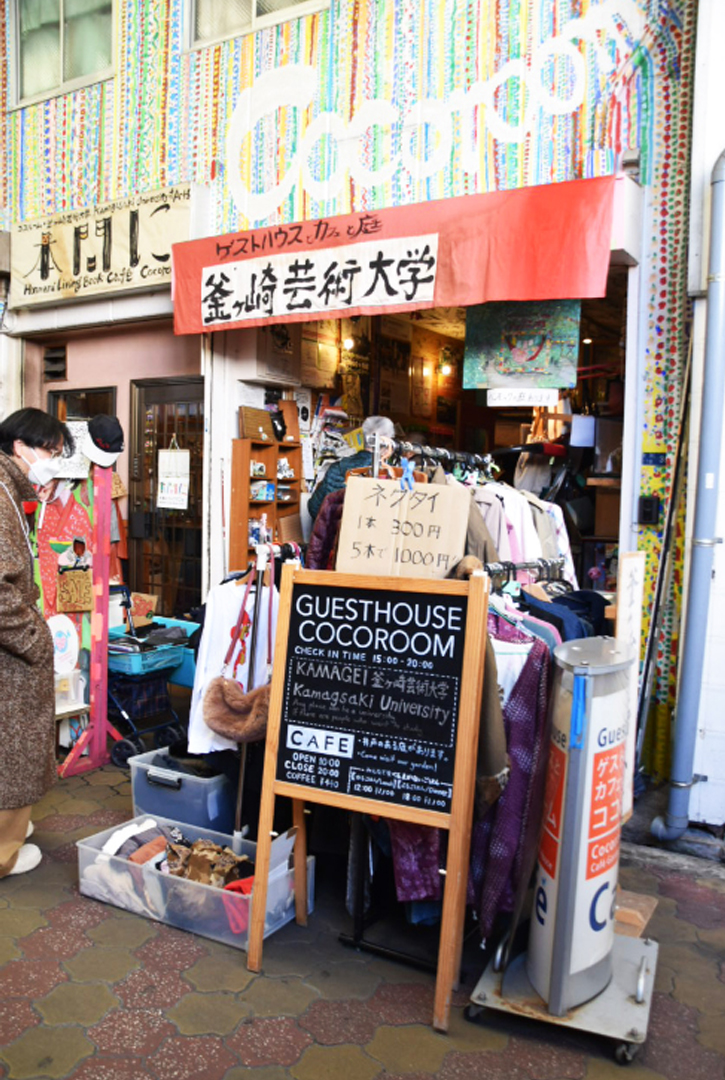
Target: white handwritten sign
173,483
524,399
416,532
370,274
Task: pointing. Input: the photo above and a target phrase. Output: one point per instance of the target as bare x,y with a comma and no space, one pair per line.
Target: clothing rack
496,569
438,453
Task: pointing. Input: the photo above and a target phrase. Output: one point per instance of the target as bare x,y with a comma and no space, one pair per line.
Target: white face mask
42,470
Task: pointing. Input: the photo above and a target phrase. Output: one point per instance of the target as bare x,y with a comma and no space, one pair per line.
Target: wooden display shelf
244,508
614,482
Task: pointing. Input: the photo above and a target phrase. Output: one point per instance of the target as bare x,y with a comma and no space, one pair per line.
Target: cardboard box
386,530
143,606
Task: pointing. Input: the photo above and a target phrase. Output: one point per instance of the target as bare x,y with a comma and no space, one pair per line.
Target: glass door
165,544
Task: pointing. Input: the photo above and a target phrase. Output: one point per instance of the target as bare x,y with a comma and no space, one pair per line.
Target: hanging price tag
172,492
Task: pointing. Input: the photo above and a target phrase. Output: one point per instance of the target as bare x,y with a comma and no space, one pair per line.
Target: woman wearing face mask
31,446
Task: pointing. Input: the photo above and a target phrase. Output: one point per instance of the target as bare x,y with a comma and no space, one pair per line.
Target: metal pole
704,539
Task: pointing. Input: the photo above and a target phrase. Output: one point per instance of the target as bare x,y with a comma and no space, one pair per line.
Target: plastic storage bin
176,656
141,663
206,801
183,675
189,905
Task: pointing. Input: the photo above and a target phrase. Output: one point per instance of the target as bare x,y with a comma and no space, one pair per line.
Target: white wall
707,801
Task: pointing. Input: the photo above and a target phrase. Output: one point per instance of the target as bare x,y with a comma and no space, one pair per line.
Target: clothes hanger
535,588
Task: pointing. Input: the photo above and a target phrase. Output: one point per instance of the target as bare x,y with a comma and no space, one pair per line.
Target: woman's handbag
229,710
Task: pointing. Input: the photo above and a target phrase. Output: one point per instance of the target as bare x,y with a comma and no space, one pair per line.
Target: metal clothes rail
436,453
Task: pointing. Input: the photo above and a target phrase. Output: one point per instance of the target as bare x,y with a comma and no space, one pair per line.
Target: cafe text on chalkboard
371,693
375,707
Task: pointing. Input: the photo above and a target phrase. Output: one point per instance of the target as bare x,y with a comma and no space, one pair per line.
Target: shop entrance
165,544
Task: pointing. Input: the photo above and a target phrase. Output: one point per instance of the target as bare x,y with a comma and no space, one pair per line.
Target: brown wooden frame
458,822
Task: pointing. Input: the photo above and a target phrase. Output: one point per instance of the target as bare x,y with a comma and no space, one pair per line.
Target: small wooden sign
255,424
118,488
75,591
375,707
143,606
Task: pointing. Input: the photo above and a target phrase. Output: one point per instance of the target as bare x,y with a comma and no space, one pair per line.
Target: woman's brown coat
27,690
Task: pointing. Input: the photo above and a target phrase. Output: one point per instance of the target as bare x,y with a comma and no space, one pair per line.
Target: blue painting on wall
522,344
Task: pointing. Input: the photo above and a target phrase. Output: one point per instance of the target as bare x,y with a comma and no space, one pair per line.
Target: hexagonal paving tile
408,1049
407,1003
131,1031
54,941
100,964
220,973
672,1047
201,1014
278,997
334,1022
344,980
15,1018
146,990
278,1041
76,1004
171,950
123,931
180,1058
333,1062
78,914
110,1068
50,1052
30,979
272,1072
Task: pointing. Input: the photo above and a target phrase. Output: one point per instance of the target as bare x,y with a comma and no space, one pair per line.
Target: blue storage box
176,656
183,675
206,801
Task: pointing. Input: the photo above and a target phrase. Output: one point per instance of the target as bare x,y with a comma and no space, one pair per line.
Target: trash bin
572,926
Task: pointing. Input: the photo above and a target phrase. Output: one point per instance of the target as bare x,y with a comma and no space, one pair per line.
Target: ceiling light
348,343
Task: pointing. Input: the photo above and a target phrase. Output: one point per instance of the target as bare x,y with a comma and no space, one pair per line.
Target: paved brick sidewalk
88,992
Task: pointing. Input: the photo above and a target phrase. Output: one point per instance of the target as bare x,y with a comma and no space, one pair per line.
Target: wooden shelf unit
245,508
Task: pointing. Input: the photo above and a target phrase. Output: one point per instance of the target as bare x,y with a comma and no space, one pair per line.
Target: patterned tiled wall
163,118
514,92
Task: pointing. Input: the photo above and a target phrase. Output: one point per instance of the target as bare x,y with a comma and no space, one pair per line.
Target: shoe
30,830
28,858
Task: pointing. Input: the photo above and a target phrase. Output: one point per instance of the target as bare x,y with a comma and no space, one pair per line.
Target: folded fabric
117,839
238,914
147,851
206,863
170,835
102,882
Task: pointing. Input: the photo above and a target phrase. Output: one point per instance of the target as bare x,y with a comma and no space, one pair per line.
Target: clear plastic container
188,905
206,801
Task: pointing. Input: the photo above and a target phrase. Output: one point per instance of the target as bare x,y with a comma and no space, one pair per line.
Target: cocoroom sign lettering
371,694
583,46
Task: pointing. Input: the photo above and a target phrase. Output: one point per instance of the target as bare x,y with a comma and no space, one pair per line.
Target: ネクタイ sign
371,693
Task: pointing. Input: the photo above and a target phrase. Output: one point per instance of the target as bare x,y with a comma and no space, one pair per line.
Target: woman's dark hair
35,428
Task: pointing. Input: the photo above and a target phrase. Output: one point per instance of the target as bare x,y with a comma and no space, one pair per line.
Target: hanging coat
27,701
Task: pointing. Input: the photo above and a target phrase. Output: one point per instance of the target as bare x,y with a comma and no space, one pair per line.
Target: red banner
540,243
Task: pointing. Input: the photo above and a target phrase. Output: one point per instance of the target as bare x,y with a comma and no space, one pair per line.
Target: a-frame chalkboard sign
375,707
